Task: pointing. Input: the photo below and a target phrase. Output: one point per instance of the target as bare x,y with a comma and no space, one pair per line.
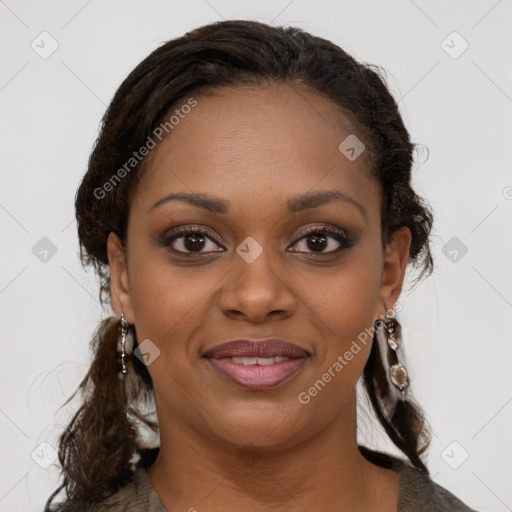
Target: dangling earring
122,348
388,331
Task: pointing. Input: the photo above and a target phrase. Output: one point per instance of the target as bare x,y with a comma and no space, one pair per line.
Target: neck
325,472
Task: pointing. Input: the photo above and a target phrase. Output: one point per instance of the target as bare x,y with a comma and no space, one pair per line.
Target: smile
257,373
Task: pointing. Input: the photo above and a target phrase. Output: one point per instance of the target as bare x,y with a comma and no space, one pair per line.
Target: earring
121,343
388,331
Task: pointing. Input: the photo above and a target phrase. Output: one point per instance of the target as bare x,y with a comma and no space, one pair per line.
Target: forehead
246,143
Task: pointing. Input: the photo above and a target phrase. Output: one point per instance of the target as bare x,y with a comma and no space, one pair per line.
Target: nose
257,291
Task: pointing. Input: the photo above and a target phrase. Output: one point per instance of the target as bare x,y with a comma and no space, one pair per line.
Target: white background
456,323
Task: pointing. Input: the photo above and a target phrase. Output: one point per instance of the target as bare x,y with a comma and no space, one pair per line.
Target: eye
191,240
318,240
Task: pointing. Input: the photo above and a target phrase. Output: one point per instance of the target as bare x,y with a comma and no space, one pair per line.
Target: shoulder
419,493
136,496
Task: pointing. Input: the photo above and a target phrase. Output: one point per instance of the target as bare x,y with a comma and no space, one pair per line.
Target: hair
99,446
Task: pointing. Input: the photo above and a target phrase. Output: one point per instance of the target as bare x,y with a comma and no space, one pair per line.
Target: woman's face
261,158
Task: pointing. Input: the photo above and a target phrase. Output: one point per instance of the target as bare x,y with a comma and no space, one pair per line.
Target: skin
224,447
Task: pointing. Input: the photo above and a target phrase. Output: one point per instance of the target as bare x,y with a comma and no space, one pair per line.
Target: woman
248,209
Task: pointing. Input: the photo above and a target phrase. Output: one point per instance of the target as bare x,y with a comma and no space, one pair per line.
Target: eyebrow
295,204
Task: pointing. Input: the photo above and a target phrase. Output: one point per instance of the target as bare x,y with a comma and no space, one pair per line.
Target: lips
257,364
270,347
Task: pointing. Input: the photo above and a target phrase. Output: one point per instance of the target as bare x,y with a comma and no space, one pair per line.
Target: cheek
344,310
347,298
167,299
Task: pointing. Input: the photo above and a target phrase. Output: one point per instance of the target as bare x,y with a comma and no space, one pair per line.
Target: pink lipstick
257,364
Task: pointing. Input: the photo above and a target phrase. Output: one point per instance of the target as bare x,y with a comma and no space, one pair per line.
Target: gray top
417,493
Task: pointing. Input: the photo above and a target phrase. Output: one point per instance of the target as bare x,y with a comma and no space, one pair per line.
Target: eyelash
339,235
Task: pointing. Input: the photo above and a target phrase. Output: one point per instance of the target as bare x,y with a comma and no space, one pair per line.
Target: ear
395,263
119,284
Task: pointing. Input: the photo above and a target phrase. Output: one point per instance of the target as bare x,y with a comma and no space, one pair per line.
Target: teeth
266,361
262,361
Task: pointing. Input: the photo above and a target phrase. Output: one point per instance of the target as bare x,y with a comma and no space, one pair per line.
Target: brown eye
191,240
318,240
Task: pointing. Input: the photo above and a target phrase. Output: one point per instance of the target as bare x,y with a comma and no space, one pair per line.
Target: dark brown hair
98,447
